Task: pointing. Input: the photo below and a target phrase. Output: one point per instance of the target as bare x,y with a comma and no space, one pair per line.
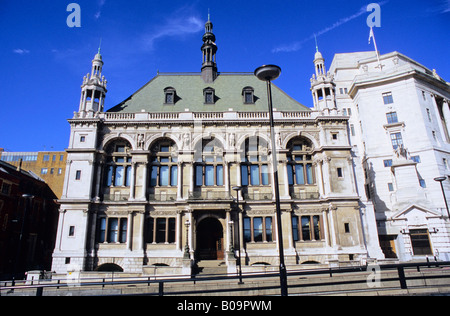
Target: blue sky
43,61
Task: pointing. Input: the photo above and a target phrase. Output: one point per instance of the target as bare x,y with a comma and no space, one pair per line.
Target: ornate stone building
151,183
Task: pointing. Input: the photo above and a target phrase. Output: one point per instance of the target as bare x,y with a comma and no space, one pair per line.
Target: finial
209,15
317,46
100,46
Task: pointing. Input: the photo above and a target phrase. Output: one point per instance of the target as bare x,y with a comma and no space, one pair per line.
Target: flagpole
372,35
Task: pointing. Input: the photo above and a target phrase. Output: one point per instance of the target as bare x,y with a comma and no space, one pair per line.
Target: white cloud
98,14
445,7
21,51
175,26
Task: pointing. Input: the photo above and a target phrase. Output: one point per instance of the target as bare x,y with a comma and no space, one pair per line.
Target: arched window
164,164
209,163
254,162
170,96
300,163
248,95
118,164
209,95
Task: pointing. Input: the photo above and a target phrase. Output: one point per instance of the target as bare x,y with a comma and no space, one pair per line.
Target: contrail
295,46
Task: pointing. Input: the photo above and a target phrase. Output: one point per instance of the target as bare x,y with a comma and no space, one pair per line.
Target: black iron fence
397,277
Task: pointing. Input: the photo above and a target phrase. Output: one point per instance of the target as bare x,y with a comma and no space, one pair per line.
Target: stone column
133,181
143,196
130,230
180,181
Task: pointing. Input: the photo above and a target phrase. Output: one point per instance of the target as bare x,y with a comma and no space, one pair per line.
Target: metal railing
397,277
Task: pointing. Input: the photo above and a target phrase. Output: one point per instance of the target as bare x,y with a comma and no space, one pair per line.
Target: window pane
265,174
244,175
109,174
123,230
199,176
154,176
161,230
257,229
306,228
102,231
150,224
295,228
209,97
397,140
174,176
290,175
248,97
209,175
299,178
269,236
254,174
420,242
128,178
171,230
118,180
316,222
392,117
247,230
387,98
113,230
309,174
219,176
164,176
169,98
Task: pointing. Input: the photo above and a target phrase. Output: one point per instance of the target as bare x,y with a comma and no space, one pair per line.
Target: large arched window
300,163
164,164
254,162
118,164
209,163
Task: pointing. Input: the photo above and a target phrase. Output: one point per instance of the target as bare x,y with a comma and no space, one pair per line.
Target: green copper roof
189,89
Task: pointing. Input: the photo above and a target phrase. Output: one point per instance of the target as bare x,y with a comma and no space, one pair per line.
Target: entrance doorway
387,244
210,240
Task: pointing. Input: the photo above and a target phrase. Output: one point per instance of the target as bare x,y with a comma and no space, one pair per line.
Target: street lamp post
27,198
186,248
238,189
268,73
441,180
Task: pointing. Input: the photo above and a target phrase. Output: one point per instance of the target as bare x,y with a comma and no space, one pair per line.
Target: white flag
371,35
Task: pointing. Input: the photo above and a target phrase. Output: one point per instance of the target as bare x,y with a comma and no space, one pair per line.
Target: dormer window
169,95
210,97
248,95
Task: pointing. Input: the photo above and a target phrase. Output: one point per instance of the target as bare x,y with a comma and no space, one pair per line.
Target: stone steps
210,268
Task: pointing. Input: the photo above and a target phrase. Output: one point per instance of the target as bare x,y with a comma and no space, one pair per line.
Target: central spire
209,50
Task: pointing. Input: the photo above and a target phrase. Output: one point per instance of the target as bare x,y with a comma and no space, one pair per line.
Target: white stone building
399,122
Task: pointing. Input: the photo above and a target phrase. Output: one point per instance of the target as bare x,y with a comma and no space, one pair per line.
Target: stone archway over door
210,245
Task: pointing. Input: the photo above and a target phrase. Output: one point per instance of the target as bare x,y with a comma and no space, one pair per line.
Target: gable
415,214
